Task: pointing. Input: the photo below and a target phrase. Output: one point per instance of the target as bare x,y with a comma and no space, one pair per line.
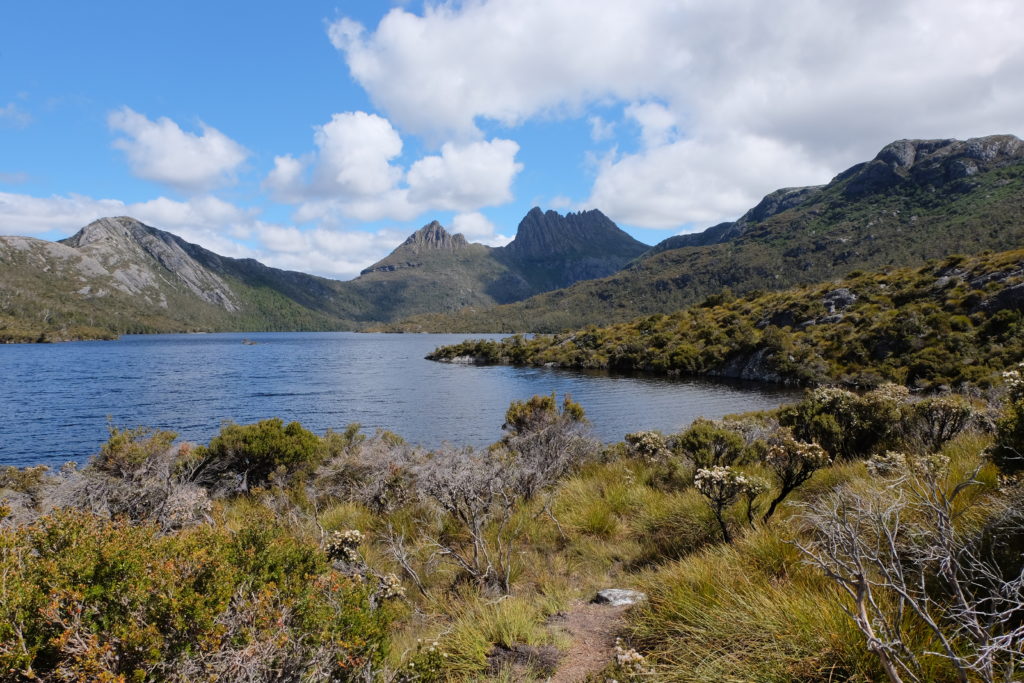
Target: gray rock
617,597
839,300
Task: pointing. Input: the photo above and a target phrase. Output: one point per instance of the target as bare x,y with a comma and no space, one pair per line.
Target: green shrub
709,444
251,454
1008,451
89,599
845,424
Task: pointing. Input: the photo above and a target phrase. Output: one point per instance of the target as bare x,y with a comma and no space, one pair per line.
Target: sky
316,136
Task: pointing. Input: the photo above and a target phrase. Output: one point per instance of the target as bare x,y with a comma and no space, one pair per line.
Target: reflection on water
57,398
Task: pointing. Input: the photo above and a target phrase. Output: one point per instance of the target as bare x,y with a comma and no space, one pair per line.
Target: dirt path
592,629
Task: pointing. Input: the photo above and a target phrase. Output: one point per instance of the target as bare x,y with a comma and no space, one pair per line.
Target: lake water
57,398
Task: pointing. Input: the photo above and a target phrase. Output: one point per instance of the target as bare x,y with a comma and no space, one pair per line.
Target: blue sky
315,136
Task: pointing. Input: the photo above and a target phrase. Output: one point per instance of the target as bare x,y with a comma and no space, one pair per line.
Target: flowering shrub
888,464
1008,452
793,462
629,664
342,546
649,445
723,486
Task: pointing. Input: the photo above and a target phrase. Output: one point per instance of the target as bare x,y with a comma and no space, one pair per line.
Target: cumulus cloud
353,157
351,174
340,254
698,181
22,214
797,81
476,227
162,152
465,176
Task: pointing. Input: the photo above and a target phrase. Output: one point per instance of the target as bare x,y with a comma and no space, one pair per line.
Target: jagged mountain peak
434,236
544,233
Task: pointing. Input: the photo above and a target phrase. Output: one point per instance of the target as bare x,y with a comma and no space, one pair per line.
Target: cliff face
553,251
143,260
436,271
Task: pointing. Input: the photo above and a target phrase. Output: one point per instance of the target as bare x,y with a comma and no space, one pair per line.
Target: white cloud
331,253
797,81
475,227
14,115
465,177
700,180
351,174
206,221
162,152
211,223
601,130
352,160
22,214
657,123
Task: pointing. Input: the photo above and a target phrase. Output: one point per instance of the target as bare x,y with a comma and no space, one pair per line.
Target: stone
618,597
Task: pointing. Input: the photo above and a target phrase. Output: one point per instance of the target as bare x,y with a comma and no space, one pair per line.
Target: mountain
118,275
916,200
435,271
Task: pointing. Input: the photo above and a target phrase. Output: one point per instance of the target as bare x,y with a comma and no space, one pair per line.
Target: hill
955,321
916,200
117,275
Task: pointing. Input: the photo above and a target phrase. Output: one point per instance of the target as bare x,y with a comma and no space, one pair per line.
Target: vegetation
953,322
770,549
838,229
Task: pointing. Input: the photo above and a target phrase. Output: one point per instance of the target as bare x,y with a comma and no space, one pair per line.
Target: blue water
57,398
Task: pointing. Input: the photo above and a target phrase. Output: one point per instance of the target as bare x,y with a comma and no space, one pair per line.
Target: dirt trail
592,629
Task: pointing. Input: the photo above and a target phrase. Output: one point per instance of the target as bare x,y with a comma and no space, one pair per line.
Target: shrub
243,456
709,444
89,599
845,424
1008,452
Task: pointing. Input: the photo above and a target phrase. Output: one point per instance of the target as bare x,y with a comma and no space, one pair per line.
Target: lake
57,398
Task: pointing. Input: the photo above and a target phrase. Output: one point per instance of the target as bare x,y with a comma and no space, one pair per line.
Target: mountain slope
916,200
434,270
119,275
954,321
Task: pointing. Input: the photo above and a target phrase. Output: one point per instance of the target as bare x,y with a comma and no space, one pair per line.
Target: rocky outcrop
432,237
618,597
142,259
930,163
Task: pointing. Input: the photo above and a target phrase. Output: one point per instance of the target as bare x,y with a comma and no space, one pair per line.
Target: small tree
793,462
723,486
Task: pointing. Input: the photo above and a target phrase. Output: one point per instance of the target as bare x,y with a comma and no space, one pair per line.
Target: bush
90,599
709,444
1008,451
845,424
243,456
